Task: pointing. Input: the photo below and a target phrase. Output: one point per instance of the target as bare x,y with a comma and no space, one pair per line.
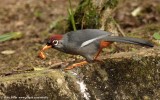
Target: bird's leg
99,51
103,44
76,65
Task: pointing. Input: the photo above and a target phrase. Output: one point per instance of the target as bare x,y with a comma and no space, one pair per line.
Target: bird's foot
76,65
69,67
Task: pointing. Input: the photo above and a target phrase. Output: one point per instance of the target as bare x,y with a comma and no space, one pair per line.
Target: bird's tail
128,40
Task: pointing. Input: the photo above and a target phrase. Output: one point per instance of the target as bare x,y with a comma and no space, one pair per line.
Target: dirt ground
33,18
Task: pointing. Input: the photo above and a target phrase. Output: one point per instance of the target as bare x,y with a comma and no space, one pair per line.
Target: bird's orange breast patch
104,44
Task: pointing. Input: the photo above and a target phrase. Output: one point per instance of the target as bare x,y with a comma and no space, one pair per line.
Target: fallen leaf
8,52
156,36
38,68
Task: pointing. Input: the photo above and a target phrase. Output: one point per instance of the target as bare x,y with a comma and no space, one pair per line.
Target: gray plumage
87,42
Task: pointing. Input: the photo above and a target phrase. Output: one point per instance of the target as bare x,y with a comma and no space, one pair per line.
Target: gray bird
87,43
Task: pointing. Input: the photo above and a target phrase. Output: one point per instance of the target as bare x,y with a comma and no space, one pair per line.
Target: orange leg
103,44
99,51
76,65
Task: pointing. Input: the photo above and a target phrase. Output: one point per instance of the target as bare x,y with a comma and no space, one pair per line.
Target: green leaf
156,35
9,36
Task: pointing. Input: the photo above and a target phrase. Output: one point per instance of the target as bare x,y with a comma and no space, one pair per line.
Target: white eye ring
55,42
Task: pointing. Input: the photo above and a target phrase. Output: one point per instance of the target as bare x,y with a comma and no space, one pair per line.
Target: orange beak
41,54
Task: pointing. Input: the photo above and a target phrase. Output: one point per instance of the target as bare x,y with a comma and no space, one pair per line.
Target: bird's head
55,41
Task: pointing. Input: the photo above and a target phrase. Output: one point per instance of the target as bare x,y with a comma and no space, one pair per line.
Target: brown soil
32,18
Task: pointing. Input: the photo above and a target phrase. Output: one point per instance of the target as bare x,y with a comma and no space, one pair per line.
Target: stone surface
128,75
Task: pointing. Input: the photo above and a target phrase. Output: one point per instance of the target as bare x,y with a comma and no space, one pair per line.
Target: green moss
109,22
92,18
86,16
111,3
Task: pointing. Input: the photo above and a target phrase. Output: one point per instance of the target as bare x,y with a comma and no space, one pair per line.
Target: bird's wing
92,40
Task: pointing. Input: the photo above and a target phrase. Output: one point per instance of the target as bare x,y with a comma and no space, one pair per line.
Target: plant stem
70,11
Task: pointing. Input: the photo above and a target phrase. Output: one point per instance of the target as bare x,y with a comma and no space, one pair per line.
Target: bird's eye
55,42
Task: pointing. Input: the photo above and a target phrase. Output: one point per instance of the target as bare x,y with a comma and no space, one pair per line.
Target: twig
119,29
